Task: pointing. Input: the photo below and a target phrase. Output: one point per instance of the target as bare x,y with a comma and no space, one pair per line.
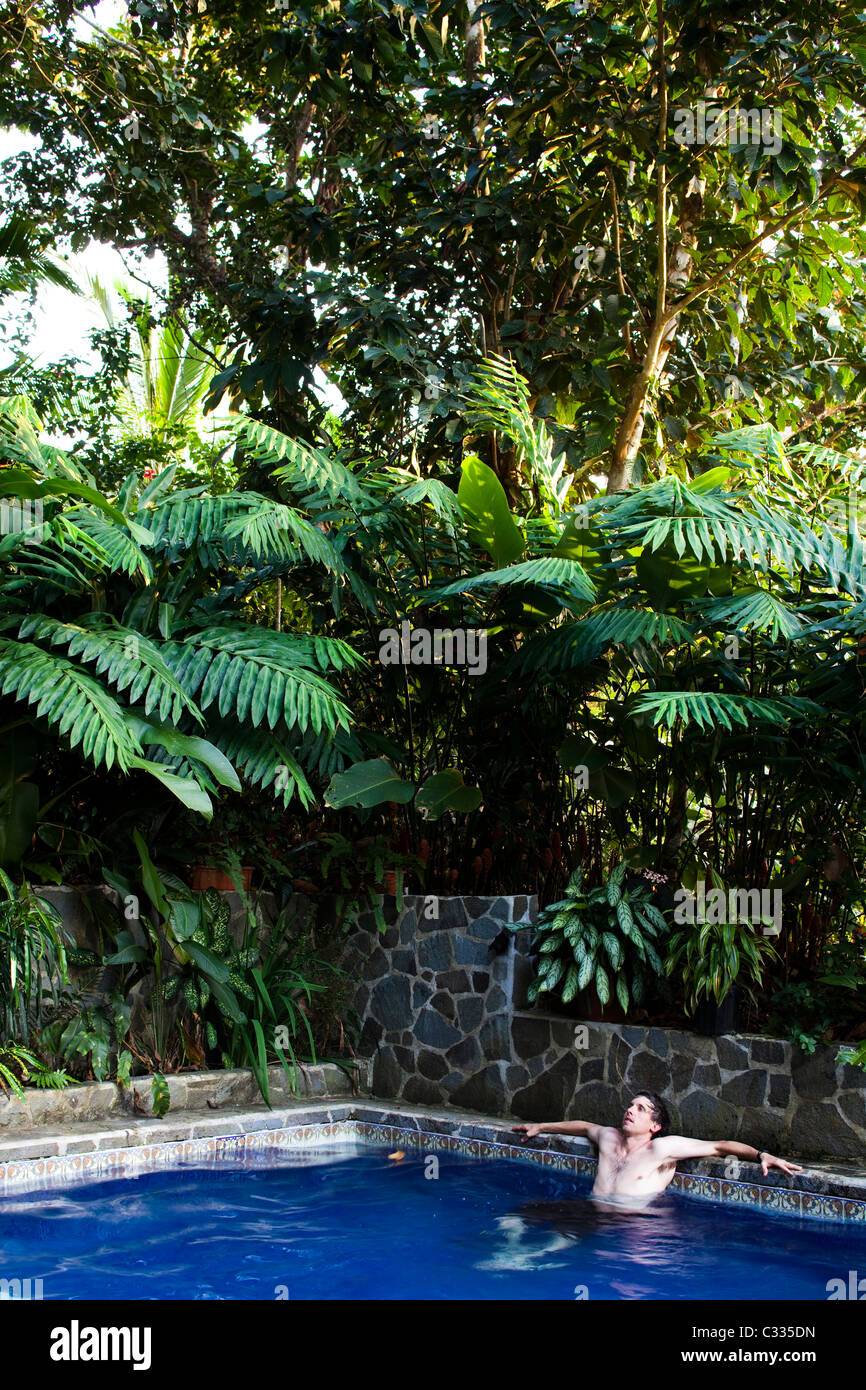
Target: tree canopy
655,210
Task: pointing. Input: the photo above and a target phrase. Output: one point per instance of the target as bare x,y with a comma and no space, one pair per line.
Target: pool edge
815,1196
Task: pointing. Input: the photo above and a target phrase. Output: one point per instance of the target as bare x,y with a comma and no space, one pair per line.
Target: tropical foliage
605,940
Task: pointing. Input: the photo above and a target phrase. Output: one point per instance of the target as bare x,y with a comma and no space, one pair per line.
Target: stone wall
442,1004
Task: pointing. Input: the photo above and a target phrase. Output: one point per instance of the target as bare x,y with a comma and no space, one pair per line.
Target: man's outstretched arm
585,1128
676,1146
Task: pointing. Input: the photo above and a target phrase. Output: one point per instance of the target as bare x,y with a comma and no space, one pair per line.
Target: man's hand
528,1131
768,1161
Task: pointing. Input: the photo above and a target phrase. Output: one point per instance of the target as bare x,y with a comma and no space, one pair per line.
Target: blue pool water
350,1224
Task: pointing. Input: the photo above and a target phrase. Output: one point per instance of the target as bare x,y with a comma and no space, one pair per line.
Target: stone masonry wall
442,1006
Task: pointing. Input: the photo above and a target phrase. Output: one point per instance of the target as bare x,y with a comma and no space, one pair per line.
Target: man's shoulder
607,1134
665,1142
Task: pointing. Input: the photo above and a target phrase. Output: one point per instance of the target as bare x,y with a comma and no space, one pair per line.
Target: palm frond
549,571
708,709
304,468
129,661
75,703
265,761
752,609
258,676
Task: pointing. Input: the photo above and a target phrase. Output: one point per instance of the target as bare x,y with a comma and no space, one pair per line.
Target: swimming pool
342,1220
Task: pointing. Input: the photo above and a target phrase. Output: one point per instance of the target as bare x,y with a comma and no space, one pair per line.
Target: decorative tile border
341,1127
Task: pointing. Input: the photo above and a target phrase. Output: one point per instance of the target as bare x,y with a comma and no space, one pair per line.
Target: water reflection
626,1232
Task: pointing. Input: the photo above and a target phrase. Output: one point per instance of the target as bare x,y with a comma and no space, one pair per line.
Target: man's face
638,1119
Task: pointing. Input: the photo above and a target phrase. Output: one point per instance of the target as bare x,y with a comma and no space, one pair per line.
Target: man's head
646,1115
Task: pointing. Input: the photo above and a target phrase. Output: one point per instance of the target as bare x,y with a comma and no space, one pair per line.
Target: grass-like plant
712,957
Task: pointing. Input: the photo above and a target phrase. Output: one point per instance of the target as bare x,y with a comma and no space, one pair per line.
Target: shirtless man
639,1160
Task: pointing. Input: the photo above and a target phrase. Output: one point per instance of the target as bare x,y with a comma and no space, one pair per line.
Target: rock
683,1071
767,1050
550,1094
484,1091
495,1039
763,1129
453,914
432,1030
647,1072
421,993
819,1130
404,962
418,1089
465,1056
443,1004
468,952
705,1074
387,1076
431,1065
371,1034
618,1059
530,1036
853,1106
450,1082
779,1093
496,1000
705,1117
480,981
434,952
732,1057
657,1041
390,1002
598,1102
376,966
477,907
455,981
749,1088
470,1011
516,1077
814,1076
591,1070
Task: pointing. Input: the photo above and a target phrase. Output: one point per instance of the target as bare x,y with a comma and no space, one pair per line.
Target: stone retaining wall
96,1101
442,1004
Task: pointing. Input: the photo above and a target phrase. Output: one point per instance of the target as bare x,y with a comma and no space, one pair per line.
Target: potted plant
717,961
601,942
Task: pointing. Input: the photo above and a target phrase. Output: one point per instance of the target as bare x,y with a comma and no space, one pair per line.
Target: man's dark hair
660,1112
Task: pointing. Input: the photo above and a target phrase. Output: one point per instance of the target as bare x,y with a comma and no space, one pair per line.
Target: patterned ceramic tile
401,1131
781,1199
747,1194
815,1204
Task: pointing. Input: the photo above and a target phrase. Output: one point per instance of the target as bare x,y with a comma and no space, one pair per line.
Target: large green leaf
482,497
186,789
446,791
367,784
191,748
